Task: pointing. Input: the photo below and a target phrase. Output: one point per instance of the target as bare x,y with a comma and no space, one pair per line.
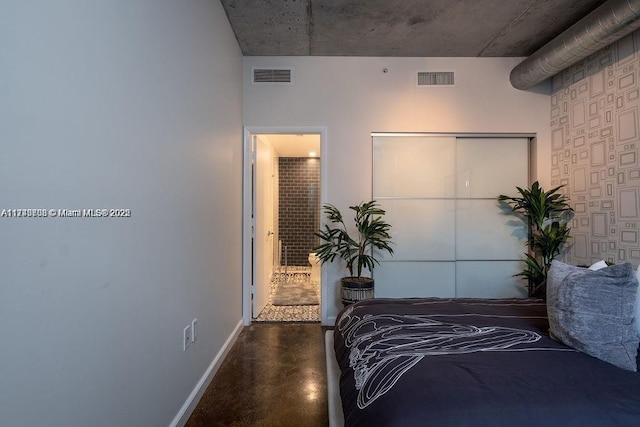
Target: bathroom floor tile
290,313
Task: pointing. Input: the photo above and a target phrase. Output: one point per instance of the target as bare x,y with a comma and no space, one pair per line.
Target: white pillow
598,265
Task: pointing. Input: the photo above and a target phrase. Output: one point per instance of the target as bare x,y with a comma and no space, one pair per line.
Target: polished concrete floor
274,375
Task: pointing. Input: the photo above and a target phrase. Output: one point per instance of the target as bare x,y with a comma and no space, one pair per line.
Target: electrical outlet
186,338
194,330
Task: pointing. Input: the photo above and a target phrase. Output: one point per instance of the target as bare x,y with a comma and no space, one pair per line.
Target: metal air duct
605,25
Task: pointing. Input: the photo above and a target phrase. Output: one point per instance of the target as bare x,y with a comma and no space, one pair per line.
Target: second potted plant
547,214
372,233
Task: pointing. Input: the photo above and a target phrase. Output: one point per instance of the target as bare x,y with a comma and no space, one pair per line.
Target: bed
472,362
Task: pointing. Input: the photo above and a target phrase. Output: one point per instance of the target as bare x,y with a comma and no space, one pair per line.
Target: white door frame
247,222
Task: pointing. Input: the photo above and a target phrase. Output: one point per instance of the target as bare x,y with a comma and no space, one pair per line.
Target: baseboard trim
331,321
189,405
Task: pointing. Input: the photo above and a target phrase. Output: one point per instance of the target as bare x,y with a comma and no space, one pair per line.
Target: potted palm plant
357,251
547,214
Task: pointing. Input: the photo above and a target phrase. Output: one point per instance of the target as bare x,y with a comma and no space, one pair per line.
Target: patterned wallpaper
595,137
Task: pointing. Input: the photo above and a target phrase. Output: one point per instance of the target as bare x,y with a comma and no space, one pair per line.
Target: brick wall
298,207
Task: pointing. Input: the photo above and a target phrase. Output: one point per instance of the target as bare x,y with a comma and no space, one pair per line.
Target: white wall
353,97
264,226
116,104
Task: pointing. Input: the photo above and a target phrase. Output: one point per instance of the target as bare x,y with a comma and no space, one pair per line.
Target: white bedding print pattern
384,347
496,366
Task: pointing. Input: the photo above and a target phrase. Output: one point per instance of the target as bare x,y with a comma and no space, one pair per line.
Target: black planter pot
356,289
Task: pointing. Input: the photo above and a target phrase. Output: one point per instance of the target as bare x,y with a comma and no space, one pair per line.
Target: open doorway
282,279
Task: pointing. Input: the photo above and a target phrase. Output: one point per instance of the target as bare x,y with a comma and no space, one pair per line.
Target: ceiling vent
436,78
272,76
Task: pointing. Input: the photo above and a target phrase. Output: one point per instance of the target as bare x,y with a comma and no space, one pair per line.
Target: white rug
336,415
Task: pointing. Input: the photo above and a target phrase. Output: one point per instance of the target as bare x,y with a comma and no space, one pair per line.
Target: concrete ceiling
403,28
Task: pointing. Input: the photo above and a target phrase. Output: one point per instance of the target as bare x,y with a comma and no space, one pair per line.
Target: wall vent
278,76
436,78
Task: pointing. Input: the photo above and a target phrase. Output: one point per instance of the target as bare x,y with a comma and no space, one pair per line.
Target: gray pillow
593,311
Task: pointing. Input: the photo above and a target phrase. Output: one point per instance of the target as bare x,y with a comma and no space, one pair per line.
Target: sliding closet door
414,181
489,242
451,238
